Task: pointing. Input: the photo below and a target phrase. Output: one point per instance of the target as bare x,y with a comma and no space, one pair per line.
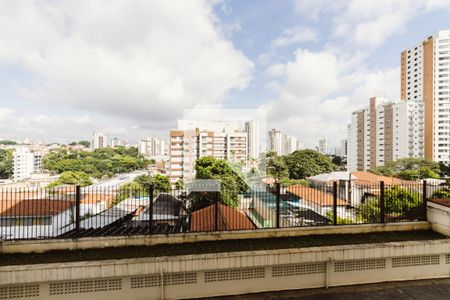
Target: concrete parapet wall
40,246
192,276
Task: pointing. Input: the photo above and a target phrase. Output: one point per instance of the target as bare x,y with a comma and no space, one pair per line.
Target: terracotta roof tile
37,207
369,178
314,196
228,219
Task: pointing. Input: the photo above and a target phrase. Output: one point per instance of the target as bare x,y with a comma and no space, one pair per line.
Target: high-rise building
115,142
323,146
290,144
425,77
99,140
193,140
385,131
252,129
281,143
152,147
276,142
25,163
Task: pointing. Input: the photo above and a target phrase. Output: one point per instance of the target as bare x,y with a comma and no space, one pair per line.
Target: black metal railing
75,212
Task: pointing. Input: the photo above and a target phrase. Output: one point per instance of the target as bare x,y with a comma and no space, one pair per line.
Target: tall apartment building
425,76
281,143
252,129
276,142
152,147
25,163
323,146
194,140
290,144
385,131
99,140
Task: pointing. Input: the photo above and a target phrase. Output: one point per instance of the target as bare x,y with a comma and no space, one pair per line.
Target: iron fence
75,212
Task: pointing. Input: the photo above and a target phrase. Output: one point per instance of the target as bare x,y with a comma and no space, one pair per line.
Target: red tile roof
228,219
369,178
37,207
315,196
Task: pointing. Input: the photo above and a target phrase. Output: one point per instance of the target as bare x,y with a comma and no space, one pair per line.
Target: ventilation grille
359,265
154,280
85,286
234,274
302,269
412,261
447,259
19,291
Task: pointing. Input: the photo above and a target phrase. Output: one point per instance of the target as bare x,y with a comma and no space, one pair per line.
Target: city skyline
316,64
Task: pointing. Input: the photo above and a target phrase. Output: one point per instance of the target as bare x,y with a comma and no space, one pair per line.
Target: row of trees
102,162
412,169
297,166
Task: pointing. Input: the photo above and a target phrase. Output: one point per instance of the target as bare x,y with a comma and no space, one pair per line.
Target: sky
130,68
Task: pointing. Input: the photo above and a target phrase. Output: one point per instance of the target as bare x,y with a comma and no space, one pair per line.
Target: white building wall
442,96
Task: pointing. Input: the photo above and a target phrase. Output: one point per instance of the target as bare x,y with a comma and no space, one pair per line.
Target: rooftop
314,195
228,219
37,207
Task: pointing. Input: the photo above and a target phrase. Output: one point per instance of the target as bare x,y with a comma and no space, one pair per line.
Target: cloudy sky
130,67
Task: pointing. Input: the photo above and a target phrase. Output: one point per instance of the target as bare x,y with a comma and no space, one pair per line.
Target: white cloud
312,9
146,60
319,92
276,70
295,35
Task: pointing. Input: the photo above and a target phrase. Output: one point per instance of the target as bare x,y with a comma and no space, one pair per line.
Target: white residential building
252,129
115,142
25,163
152,147
276,142
290,144
323,146
425,77
99,140
385,131
281,143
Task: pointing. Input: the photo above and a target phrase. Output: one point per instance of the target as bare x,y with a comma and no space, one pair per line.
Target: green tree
130,190
306,163
86,144
101,163
443,191
276,167
337,160
6,164
409,169
7,142
179,184
160,182
288,182
72,178
231,183
398,202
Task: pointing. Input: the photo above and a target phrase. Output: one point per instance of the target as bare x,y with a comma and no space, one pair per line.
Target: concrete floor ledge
39,246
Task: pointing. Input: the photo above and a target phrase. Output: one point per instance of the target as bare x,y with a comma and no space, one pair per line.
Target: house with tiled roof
35,218
317,200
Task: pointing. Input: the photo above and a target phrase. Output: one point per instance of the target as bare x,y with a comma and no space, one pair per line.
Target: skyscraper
275,142
252,129
425,77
